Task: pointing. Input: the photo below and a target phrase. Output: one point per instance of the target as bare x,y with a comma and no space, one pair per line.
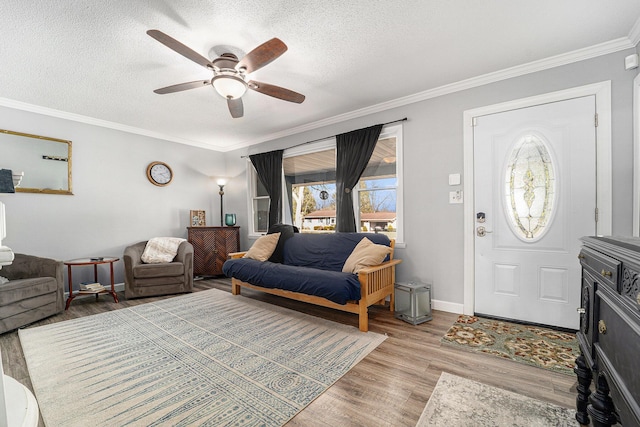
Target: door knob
481,231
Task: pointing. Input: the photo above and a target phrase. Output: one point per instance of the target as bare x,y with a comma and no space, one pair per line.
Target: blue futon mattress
335,286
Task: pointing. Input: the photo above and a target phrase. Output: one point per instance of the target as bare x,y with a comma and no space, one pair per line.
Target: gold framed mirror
45,162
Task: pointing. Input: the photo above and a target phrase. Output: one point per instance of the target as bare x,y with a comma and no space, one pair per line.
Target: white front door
535,196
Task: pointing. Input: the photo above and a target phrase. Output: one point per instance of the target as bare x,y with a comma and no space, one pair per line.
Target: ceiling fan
230,75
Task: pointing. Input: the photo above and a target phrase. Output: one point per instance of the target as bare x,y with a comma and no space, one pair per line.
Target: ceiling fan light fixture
229,87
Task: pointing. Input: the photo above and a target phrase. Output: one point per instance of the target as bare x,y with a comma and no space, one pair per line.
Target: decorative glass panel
530,185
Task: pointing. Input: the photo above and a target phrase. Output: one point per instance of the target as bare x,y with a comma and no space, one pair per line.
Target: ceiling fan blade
178,47
262,55
276,91
182,86
236,108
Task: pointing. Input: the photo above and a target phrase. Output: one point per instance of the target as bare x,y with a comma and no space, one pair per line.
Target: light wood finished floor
407,365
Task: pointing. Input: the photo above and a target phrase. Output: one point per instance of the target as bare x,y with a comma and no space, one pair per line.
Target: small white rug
206,358
461,402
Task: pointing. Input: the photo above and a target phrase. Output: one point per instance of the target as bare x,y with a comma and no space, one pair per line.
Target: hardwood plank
390,387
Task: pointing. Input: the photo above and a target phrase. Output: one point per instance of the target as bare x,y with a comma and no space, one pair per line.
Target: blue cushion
333,285
325,251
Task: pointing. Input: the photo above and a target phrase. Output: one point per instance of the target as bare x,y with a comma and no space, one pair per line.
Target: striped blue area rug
206,358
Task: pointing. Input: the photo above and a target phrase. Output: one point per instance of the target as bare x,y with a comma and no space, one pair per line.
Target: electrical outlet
455,197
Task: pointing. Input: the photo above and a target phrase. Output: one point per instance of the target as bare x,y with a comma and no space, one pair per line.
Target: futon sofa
35,290
311,271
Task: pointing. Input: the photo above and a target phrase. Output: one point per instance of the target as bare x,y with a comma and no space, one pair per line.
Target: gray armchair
145,280
35,290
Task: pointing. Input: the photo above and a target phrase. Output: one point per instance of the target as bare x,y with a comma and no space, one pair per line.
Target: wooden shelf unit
211,245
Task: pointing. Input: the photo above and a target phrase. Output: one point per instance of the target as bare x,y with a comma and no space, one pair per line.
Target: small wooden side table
94,262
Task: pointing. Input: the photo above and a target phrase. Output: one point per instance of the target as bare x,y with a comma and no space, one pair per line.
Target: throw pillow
263,247
286,231
161,249
365,254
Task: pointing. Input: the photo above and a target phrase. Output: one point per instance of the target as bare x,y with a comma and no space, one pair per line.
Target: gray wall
433,148
113,204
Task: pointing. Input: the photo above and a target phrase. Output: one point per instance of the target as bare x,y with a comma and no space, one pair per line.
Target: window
259,206
530,188
377,191
310,179
310,188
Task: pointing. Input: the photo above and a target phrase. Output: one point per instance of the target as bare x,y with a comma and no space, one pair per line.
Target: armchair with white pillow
160,266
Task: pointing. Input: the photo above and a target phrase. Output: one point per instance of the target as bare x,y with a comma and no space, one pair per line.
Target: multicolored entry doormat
528,344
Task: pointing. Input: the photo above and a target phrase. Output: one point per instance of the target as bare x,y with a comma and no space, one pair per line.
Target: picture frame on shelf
197,218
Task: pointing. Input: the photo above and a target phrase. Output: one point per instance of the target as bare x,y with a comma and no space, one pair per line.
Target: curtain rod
327,137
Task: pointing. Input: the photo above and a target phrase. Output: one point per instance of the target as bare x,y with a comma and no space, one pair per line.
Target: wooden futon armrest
371,269
233,255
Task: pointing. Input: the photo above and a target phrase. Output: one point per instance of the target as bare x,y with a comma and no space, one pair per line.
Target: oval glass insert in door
530,188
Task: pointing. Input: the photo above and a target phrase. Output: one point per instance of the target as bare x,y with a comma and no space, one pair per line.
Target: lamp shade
230,87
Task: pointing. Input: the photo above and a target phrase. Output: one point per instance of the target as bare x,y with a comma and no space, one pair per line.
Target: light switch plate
454,179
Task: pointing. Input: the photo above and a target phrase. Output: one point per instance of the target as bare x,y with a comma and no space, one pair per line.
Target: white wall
113,204
433,148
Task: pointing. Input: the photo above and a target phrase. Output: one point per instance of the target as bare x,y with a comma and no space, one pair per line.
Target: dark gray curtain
269,169
354,149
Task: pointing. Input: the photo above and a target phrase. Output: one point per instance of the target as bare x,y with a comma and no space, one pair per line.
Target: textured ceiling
94,62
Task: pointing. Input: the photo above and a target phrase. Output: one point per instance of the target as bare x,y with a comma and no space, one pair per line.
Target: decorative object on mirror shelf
230,219
24,153
198,219
221,182
6,181
413,302
17,178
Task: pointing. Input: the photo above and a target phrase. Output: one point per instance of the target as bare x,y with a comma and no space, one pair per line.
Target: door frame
602,92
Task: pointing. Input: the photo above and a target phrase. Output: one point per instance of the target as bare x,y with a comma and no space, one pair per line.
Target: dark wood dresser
609,334
211,246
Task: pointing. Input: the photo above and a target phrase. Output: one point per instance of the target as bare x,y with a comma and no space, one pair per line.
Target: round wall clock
159,173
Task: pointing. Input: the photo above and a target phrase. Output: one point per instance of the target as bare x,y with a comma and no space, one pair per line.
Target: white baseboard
451,307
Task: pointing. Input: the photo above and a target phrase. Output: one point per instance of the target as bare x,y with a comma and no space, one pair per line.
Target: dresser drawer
618,329
605,268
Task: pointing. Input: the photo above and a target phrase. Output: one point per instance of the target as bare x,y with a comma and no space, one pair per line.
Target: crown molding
634,33
544,64
24,106
508,73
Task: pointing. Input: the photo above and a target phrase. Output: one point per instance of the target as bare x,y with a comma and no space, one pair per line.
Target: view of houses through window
311,178
310,187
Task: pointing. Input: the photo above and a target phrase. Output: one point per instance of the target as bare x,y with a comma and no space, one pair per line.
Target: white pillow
161,249
263,247
365,254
